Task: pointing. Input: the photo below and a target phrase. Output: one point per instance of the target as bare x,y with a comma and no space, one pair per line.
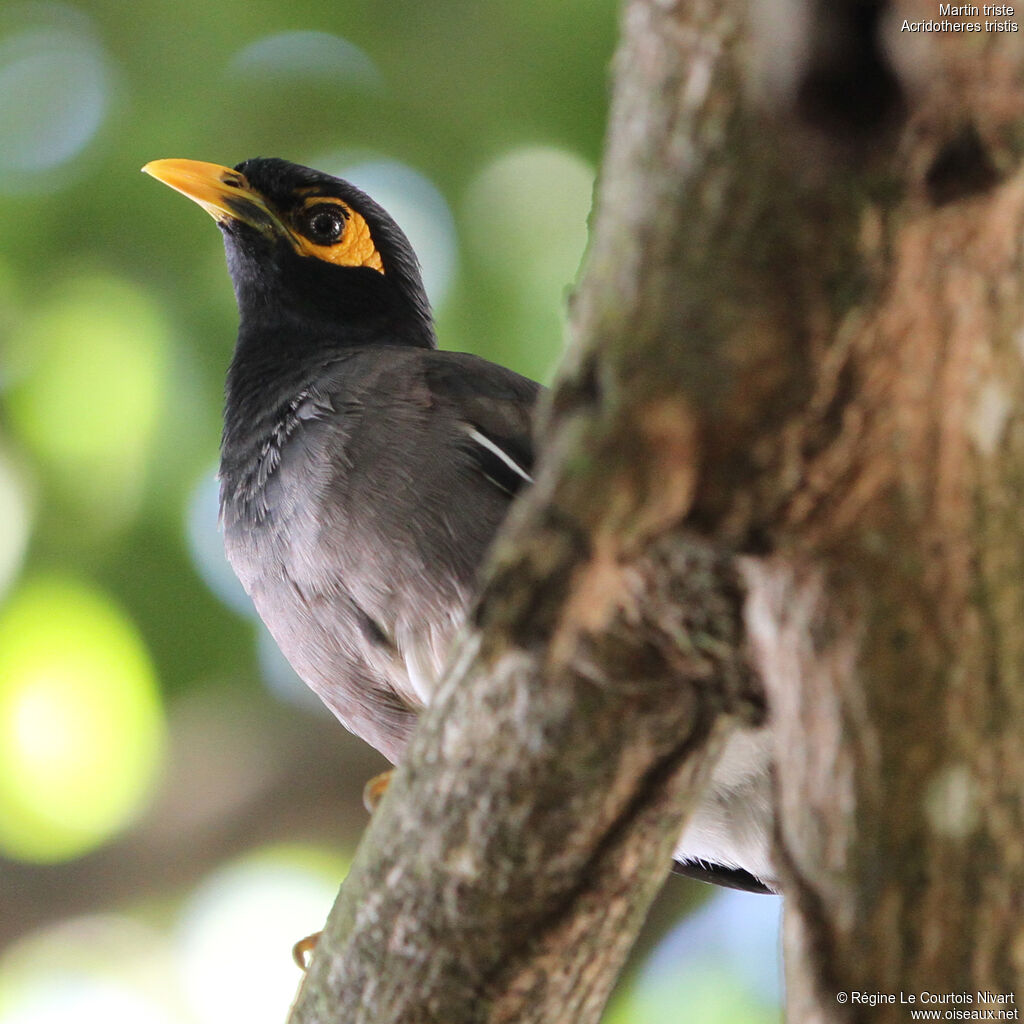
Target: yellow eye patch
354,248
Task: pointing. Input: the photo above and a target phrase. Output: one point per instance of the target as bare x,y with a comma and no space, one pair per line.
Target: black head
309,252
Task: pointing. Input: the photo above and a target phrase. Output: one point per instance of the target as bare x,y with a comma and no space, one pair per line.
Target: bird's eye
324,224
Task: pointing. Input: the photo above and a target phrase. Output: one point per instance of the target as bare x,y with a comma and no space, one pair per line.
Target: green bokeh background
154,757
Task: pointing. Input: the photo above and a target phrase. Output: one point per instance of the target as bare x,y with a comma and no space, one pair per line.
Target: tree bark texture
786,445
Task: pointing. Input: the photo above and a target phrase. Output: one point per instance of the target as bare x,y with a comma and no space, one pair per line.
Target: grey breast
363,531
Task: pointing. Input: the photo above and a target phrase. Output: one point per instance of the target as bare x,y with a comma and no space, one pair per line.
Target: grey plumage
358,526
359,523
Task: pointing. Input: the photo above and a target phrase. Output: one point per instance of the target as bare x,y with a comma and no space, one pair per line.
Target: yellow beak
220,191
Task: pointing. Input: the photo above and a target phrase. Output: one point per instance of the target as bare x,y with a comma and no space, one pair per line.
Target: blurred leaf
81,726
86,372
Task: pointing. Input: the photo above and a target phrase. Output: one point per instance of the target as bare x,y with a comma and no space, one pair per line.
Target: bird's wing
493,409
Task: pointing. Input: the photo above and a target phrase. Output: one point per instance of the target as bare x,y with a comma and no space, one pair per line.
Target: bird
364,472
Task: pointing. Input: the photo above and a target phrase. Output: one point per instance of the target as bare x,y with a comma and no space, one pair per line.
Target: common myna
364,472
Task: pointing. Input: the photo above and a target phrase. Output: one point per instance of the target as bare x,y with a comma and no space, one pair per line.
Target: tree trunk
787,435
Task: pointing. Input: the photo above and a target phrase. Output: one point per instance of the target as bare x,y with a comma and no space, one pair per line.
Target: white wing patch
507,459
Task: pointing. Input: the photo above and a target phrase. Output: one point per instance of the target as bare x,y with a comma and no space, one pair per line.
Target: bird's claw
375,789
303,949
